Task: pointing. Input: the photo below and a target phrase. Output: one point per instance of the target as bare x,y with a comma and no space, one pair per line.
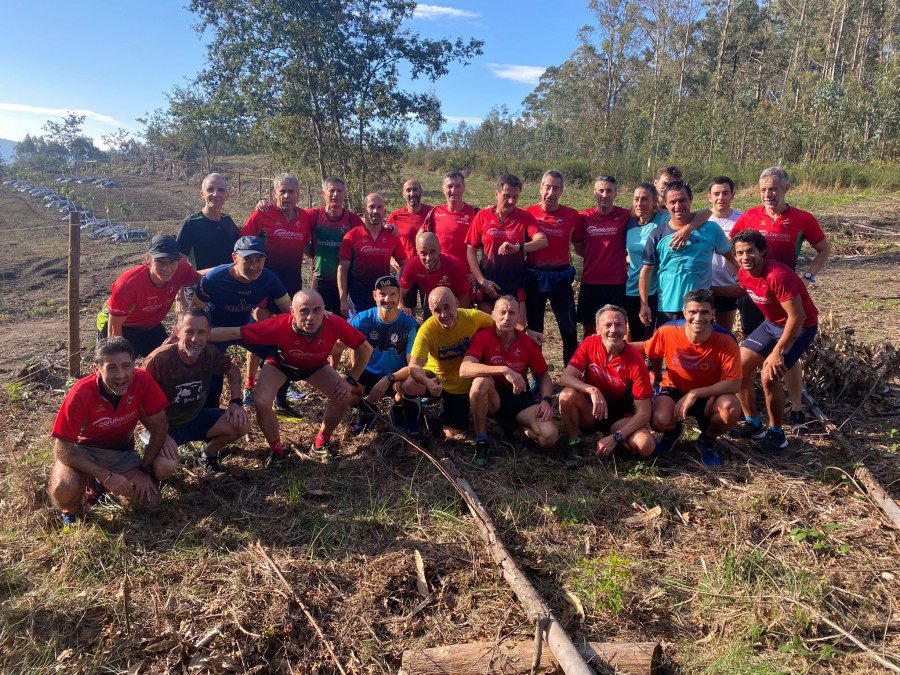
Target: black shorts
615,411
592,297
144,340
722,303
293,374
457,410
638,332
697,411
331,297
511,404
751,316
666,317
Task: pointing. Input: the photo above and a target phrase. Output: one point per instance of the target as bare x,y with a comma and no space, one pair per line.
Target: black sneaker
798,423
209,465
667,441
773,442
284,409
248,397
324,453
747,430
276,461
569,457
482,457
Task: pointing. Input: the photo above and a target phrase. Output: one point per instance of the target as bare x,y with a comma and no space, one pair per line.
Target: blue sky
113,62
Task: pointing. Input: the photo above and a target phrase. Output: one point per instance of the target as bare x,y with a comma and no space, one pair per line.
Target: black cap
385,281
164,246
250,245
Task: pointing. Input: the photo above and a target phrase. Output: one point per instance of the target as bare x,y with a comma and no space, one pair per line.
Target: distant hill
6,149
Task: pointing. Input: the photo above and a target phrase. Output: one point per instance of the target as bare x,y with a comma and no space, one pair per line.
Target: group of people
660,287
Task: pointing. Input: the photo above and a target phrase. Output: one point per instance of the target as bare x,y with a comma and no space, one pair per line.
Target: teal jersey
685,270
635,240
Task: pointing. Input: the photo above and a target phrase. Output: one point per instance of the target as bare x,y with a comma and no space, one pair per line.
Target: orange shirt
693,365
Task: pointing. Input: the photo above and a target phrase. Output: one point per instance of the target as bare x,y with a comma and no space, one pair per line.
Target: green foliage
602,581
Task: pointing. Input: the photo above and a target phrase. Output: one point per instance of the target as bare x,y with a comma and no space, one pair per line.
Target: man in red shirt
94,431
702,378
451,222
785,227
790,325
600,240
607,386
410,219
549,272
428,269
505,233
288,235
365,256
303,341
497,361
142,297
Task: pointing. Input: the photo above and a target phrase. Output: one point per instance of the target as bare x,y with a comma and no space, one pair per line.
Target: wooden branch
878,494
512,658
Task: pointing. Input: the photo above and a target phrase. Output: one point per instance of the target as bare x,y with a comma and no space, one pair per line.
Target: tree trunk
729,11
837,44
689,16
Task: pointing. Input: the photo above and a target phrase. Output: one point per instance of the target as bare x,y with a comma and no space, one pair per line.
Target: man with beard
302,340
497,361
451,222
94,449
607,387
142,297
365,256
429,269
183,370
702,377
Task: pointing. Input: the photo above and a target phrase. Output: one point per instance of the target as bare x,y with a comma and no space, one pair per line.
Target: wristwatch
351,380
547,399
238,401
617,437
810,277
392,378
146,469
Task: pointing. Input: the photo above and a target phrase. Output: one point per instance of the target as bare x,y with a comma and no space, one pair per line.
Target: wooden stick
73,298
640,658
277,570
878,494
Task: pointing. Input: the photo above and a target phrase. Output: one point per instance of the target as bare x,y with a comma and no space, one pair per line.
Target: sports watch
617,437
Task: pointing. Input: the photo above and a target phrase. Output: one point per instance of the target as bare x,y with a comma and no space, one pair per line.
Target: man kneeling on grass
703,376
303,340
184,371
94,431
497,360
607,387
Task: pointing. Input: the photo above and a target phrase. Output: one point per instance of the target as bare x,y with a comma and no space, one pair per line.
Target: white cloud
438,13
524,74
456,119
60,112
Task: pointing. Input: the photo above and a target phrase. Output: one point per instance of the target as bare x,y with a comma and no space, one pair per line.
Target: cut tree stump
511,658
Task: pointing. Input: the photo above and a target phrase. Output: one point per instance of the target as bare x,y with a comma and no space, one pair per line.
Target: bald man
428,269
303,341
365,256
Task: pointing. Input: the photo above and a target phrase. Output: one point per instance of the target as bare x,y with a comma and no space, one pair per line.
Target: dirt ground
746,568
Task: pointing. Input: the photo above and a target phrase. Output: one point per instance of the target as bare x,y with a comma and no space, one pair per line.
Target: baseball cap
250,245
385,281
164,246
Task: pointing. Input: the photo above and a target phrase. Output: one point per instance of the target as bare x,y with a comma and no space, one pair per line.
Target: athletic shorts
517,293
751,317
615,411
511,404
144,340
117,461
456,410
697,411
763,341
637,330
362,303
592,297
293,374
666,317
331,297
198,429
722,303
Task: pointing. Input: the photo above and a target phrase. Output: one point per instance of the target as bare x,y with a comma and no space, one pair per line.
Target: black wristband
351,380
521,247
526,329
239,401
146,469
548,399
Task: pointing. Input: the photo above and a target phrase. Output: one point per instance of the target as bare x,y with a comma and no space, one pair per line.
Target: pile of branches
841,370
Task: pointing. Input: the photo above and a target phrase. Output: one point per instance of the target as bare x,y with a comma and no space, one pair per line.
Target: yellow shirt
444,349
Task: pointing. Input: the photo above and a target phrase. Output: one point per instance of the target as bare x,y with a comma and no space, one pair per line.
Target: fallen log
878,494
512,658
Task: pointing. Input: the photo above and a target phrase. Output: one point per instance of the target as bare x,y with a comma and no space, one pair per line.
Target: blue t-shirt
687,269
230,302
391,341
635,240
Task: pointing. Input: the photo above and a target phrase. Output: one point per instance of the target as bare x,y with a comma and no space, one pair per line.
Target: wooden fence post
73,301
260,187
239,182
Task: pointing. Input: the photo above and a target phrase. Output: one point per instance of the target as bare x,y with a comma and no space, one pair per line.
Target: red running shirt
604,245
778,283
558,226
294,350
87,416
451,228
523,353
141,303
784,234
369,258
408,226
624,378
451,274
692,365
488,232
284,242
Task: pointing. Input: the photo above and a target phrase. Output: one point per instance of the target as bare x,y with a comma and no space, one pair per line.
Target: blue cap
250,246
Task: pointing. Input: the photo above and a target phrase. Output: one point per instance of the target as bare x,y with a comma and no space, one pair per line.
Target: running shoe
284,409
798,423
248,397
708,452
773,442
69,518
397,417
276,461
366,422
667,441
209,465
324,453
482,457
747,430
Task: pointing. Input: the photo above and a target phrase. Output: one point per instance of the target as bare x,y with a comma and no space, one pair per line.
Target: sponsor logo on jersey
597,231
149,309
394,339
497,232
498,360
289,234
373,250
758,299
111,422
691,362
455,351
